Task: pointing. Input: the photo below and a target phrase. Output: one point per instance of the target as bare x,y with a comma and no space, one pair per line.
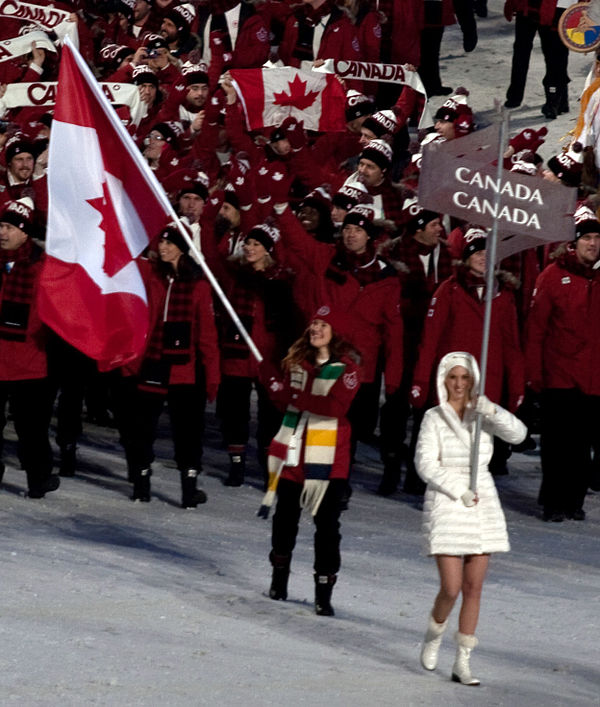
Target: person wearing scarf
180,366
23,364
454,322
309,457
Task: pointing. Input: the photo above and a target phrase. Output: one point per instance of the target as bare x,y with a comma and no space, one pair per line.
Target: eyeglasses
157,136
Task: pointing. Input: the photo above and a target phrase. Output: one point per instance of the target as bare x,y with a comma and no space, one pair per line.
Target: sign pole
490,272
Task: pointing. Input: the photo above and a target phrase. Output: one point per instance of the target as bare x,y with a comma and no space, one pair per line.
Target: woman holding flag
462,525
309,458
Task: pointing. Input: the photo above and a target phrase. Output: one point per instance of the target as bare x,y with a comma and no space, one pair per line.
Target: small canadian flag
270,95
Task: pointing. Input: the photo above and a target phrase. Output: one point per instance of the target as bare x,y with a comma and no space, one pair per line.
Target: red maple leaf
116,251
297,97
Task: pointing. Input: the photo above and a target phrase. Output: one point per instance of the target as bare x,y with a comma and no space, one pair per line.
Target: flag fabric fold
104,205
270,95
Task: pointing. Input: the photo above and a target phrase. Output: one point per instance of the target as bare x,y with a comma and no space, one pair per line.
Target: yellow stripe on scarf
321,438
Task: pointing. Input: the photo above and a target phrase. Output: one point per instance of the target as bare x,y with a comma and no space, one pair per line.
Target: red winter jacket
339,39
334,405
563,328
22,359
373,311
454,322
204,346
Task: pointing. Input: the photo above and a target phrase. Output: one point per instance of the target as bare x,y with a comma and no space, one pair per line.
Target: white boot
461,670
431,643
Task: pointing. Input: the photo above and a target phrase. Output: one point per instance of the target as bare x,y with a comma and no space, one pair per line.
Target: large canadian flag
271,95
104,206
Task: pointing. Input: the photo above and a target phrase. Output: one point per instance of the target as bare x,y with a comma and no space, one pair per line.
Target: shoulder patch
350,380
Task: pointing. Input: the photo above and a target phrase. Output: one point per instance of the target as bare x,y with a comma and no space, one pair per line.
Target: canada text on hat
17,145
194,73
379,152
266,234
155,41
349,195
19,213
586,221
144,74
182,16
384,122
361,216
567,166
115,52
523,163
474,240
357,105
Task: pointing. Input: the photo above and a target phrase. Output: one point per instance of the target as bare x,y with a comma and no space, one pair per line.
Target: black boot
391,477
2,467
38,489
141,485
280,576
191,496
68,460
550,107
323,588
237,470
563,100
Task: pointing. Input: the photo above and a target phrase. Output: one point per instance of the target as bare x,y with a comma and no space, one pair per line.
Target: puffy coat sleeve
505,425
428,456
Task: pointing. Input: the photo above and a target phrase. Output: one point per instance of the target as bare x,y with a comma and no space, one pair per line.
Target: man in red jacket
23,368
563,363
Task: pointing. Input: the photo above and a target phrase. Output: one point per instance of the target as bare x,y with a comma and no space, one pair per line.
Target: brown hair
302,350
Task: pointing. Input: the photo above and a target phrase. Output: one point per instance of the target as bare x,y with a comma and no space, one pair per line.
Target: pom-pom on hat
475,239
362,216
19,213
357,106
586,221
567,166
379,152
266,234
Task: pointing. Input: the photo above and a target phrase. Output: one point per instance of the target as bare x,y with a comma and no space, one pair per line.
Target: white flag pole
159,192
490,273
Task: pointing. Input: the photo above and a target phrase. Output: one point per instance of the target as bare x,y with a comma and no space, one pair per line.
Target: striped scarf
320,446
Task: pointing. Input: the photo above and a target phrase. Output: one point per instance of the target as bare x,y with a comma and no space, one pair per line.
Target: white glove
469,498
485,406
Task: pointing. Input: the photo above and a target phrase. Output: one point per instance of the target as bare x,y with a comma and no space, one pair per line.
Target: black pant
234,411
327,522
429,70
31,407
569,422
186,405
556,56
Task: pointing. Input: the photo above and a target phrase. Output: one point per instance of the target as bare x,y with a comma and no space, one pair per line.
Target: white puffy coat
442,459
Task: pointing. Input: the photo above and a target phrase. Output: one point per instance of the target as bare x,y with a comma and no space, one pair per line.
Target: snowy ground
109,602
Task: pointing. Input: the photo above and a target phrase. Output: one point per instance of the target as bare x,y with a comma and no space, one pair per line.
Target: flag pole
159,192
490,272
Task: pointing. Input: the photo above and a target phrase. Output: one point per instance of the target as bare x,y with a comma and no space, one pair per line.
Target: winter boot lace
461,670
191,495
141,485
323,588
431,643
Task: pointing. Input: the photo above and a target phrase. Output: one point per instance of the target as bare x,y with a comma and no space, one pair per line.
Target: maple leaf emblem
297,97
116,251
